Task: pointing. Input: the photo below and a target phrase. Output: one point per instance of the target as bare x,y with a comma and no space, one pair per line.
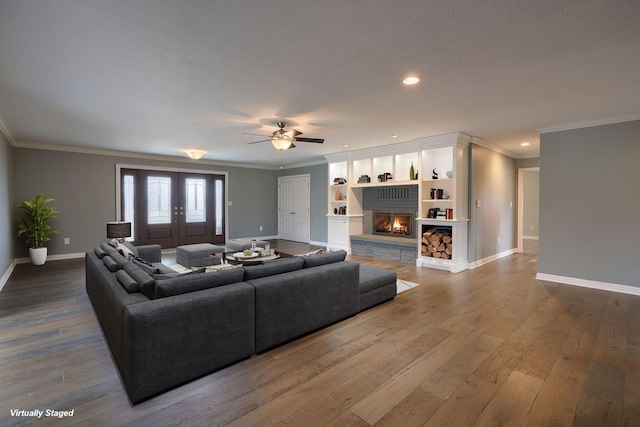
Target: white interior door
294,205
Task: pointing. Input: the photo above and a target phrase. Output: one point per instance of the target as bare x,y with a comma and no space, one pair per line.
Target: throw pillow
111,265
127,282
144,281
316,252
124,250
100,253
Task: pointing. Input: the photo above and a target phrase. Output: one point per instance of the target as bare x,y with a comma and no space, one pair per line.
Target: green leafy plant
33,225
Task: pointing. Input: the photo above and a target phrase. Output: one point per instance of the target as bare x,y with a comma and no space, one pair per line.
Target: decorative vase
38,255
412,172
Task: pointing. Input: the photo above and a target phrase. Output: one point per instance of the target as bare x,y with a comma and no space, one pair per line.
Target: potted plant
33,225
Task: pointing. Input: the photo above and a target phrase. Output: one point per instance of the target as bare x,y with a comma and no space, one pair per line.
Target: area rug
405,285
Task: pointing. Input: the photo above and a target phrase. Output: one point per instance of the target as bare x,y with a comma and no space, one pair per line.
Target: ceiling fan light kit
283,139
282,143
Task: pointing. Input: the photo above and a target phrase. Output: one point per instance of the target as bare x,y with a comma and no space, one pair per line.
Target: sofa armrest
151,253
170,341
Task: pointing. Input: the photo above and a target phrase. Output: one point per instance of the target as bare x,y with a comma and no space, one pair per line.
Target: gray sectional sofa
165,329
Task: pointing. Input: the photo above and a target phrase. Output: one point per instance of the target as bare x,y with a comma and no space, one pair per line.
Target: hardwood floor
490,346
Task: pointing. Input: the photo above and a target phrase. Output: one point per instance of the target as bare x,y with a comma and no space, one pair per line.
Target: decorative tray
241,255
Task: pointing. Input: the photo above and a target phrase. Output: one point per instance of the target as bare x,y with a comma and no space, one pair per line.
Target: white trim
304,164
130,154
530,238
316,243
6,131
481,142
588,123
5,277
476,264
53,257
520,225
593,284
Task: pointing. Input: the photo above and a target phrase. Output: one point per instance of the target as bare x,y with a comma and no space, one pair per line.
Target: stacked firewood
436,244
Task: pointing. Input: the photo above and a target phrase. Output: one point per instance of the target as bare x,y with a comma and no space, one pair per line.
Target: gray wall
84,188
590,203
319,175
7,215
492,181
531,203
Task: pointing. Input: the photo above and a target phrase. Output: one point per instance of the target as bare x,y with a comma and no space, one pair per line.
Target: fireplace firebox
400,224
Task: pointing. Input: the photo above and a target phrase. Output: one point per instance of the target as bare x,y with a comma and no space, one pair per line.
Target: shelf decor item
33,225
412,172
435,174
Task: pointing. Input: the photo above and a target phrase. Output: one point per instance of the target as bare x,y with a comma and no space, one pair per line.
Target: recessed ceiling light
345,145
394,136
525,144
411,80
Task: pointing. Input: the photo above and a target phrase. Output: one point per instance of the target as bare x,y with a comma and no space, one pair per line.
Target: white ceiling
161,77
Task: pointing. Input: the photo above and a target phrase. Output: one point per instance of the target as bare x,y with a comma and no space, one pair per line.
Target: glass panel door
173,208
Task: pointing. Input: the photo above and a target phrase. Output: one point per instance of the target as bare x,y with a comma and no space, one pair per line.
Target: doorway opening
173,207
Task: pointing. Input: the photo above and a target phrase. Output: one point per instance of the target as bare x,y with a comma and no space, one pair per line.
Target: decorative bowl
449,174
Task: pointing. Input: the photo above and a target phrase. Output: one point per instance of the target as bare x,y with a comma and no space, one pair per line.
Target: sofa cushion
111,265
322,259
372,278
270,268
117,257
106,247
127,282
128,247
144,281
190,283
100,253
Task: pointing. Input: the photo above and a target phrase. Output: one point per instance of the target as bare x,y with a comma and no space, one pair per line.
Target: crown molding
588,123
6,131
490,146
133,155
305,164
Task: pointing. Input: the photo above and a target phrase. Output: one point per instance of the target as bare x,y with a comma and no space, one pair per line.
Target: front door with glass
173,208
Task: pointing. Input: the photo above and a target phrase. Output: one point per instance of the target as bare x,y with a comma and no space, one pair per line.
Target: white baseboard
5,277
53,257
593,284
488,259
315,243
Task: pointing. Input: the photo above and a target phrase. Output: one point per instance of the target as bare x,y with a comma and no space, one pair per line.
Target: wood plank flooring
490,346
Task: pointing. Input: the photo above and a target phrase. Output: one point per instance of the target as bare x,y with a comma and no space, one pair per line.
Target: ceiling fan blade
255,142
254,134
291,146
316,140
293,133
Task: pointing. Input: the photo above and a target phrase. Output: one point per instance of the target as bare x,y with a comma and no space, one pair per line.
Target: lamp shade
118,230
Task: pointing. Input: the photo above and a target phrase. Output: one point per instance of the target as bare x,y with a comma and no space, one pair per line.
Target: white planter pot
38,255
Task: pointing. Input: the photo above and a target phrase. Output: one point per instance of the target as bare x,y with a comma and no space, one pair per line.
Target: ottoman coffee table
239,245
198,255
